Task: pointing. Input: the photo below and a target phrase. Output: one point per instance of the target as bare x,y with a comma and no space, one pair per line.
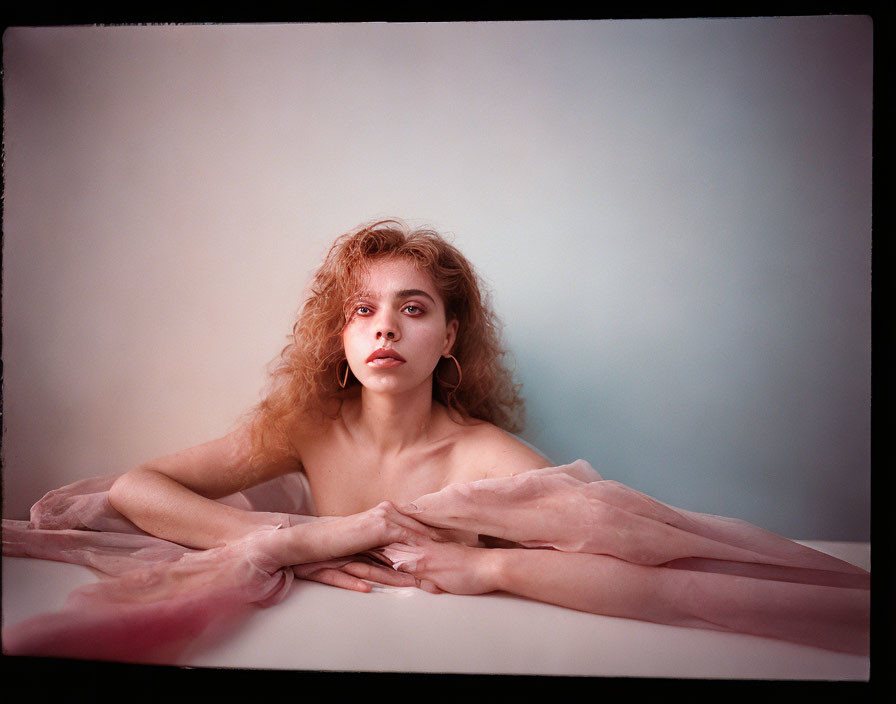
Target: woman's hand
334,537
379,526
533,505
354,574
449,567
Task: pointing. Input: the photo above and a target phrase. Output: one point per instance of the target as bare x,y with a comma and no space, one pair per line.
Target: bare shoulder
485,450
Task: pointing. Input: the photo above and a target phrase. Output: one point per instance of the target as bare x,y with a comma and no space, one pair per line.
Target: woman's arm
822,616
173,497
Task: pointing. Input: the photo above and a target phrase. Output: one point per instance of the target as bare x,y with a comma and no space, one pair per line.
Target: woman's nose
388,333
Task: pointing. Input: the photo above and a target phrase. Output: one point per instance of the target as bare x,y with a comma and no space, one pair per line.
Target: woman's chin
393,384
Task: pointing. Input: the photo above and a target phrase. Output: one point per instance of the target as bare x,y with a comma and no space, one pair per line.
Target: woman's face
398,328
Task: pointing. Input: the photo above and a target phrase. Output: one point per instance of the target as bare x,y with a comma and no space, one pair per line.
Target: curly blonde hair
304,383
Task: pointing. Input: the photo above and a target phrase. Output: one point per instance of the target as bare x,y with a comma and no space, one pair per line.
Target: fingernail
409,508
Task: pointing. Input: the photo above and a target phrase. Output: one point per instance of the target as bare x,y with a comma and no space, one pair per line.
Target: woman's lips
385,358
385,362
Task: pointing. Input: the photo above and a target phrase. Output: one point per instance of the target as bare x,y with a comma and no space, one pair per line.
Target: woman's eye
362,310
412,310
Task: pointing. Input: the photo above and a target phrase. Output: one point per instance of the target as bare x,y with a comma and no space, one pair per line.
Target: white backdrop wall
674,217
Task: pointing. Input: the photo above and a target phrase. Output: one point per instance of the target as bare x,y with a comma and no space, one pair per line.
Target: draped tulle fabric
572,509
155,596
711,572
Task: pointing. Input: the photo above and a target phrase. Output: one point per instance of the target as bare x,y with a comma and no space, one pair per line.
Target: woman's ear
450,336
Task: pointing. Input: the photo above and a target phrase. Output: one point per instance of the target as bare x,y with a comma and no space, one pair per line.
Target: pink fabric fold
728,574
572,509
154,596
160,599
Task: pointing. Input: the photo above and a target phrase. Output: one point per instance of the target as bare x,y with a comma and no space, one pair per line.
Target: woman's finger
450,509
414,525
428,586
338,578
383,575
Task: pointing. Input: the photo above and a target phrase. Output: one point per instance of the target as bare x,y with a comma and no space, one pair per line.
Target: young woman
392,395
392,387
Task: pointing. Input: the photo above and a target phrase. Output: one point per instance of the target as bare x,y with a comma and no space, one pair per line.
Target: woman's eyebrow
404,293
410,292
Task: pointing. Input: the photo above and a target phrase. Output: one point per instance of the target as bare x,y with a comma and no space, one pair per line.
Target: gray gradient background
674,217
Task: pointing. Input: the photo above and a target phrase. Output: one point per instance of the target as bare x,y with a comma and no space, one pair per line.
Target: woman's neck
391,423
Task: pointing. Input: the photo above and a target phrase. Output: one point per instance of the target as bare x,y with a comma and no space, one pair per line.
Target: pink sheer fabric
725,573
573,509
160,595
155,596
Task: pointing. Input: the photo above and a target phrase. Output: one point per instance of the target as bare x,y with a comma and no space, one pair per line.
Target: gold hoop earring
460,375
342,379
